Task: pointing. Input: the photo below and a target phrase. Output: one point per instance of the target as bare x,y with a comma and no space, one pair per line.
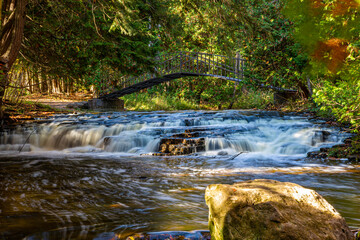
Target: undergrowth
155,102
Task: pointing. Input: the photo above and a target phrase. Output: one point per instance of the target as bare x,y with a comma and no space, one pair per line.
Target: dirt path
57,101
60,104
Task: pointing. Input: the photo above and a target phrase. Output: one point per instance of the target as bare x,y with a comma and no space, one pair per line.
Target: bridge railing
202,64
191,63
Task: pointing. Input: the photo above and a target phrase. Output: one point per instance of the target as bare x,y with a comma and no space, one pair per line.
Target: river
92,176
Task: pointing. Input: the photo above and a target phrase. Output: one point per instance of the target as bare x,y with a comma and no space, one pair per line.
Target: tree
11,33
80,39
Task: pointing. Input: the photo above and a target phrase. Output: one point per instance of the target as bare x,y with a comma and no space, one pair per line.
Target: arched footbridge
183,64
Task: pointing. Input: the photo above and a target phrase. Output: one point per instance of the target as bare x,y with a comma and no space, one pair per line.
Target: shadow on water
91,176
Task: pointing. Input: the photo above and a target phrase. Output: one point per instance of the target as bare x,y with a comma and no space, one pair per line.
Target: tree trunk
12,28
61,80
50,85
29,81
44,86
36,81
304,89
56,84
233,96
71,86
66,84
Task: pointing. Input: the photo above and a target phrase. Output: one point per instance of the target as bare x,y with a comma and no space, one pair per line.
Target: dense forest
73,46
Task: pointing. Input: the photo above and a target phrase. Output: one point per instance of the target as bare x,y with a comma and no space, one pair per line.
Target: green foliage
70,38
95,43
329,31
350,151
154,99
256,29
343,101
208,26
103,79
149,102
253,99
275,57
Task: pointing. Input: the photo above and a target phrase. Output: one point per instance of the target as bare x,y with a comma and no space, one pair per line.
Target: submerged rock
222,153
268,209
195,235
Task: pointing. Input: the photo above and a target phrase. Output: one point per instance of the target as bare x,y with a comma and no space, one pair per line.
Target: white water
226,132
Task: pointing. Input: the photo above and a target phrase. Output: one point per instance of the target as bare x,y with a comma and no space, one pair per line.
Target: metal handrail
190,62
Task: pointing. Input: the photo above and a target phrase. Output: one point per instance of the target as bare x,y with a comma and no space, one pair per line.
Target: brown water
67,184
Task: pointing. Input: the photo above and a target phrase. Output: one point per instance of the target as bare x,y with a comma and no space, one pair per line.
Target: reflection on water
90,176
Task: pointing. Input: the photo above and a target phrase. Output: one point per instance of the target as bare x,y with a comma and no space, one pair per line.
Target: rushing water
92,176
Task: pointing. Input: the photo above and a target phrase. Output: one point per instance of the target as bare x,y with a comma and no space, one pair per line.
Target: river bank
35,106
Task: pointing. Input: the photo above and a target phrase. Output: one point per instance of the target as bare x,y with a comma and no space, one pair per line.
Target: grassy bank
167,102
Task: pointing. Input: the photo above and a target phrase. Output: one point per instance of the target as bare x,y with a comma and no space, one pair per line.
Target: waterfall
136,133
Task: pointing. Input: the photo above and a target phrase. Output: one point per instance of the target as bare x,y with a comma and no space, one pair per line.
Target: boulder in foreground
269,209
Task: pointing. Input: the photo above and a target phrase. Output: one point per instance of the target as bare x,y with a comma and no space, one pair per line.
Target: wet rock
324,149
320,136
181,146
268,209
222,153
317,154
106,142
185,143
354,157
189,122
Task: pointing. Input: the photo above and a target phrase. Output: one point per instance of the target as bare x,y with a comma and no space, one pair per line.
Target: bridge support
112,104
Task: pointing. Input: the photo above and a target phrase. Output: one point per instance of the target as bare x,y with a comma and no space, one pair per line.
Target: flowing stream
93,176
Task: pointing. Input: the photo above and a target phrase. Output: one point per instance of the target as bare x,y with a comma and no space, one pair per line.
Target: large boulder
268,209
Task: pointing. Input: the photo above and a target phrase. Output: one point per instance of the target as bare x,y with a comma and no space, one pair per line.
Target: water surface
92,176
